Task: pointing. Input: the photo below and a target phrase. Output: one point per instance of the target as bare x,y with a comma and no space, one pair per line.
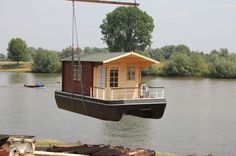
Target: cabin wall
127,88
66,76
87,68
122,80
130,87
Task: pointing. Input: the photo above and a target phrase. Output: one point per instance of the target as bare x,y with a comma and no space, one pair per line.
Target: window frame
102,76
131,74
76,72
114,77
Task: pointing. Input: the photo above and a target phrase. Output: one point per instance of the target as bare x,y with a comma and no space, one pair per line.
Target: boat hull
111,110
34,86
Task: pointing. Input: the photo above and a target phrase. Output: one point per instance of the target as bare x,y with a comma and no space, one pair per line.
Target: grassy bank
47,142
9,66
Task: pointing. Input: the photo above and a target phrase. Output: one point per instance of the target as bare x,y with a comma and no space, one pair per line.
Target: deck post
125,93
163,93
96,92
111,94
103,94
156,92
91,92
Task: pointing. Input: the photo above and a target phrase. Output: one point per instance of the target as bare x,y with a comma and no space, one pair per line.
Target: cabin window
102,75
76,73
114,76
131,73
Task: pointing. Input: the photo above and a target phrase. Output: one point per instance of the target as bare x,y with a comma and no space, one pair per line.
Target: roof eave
152,61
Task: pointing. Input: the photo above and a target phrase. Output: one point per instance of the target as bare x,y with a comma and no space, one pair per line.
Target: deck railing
156,92
127,93
97,92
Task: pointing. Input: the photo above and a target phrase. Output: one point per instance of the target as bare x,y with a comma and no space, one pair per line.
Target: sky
203,25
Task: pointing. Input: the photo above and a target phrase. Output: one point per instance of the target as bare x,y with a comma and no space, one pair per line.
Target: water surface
200,116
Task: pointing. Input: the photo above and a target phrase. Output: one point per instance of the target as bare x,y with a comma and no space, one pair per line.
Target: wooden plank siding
87,68
123,81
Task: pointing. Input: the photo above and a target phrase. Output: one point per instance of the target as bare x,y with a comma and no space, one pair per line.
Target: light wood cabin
109,76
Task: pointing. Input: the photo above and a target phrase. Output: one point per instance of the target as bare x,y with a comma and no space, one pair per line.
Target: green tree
127,29
177,65
222,52
168,50
46,61
181,48
31,52
17,50
2,56
156,54
198,65
68,51
94,50
222,67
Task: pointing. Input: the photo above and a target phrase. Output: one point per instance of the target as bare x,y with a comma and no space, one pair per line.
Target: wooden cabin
112,87
108,76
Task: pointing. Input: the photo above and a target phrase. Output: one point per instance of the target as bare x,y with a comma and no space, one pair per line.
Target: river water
200,116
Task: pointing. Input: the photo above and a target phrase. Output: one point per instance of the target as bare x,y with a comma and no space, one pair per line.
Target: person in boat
39,84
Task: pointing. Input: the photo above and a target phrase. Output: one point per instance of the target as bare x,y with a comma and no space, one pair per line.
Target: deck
127,93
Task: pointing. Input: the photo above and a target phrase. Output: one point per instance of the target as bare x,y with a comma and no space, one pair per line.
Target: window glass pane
114,76
102,75
76,73
131,73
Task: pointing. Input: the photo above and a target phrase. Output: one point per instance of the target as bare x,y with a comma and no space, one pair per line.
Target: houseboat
110,86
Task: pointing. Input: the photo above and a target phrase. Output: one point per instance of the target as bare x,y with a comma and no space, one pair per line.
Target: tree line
175,60
180,61
43,60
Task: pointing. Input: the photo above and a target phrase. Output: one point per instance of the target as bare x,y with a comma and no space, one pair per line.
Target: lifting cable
79,67
136,21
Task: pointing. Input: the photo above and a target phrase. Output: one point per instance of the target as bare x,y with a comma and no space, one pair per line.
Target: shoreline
50,147
10,66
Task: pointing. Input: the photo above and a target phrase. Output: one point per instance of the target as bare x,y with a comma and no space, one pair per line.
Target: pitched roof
96,57
106,57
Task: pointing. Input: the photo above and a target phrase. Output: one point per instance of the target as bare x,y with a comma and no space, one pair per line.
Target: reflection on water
130,130
199,118
15,78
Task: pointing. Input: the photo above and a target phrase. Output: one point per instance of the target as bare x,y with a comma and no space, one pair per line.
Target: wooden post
103,94
111,94
91,92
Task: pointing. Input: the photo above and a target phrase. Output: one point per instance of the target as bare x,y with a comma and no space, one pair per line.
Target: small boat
37,85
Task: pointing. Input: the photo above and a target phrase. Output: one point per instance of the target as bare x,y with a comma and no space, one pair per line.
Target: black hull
34,86
111,110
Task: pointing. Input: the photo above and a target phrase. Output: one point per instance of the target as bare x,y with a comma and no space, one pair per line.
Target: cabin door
102,75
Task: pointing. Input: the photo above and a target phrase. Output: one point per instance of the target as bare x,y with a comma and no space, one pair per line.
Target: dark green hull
111,110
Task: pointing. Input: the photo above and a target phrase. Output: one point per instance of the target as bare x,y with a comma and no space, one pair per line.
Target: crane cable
79,67
136,21
75,32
